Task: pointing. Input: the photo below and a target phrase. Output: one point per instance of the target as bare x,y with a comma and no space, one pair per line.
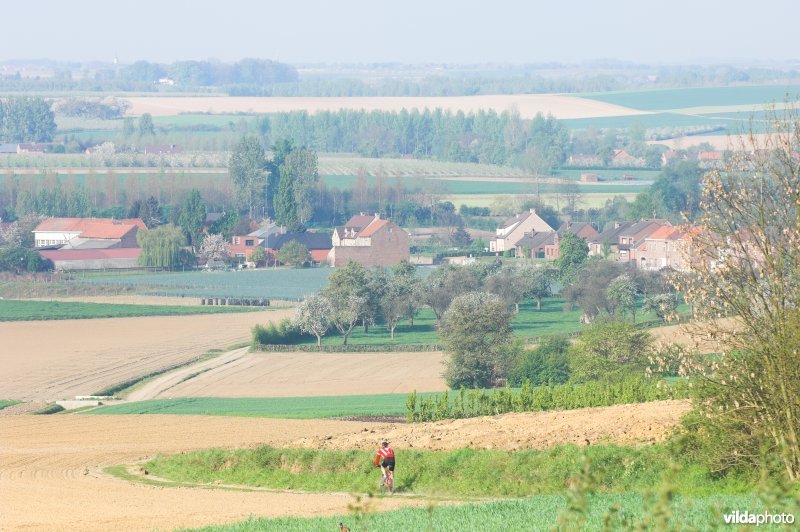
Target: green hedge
350,348
473,403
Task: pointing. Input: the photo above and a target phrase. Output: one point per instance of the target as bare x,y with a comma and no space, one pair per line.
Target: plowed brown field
623,424
49,360
314,374
527,104
51,472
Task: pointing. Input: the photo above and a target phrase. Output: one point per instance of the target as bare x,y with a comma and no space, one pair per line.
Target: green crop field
535,513
264,283
665,99
651,121
20,310
271,407
489,186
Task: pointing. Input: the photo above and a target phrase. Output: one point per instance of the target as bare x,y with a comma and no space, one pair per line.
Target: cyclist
384,459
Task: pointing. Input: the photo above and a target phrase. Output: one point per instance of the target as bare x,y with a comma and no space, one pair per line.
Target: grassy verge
20,310
272,407
601,512
7,403
458,473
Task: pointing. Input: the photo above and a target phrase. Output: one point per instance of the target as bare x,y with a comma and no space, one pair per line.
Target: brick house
318,244
515,229
667,247
633,237
610,237
535,245
370,241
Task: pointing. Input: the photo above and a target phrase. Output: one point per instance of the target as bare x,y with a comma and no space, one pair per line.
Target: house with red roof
370,241
59,231
666,248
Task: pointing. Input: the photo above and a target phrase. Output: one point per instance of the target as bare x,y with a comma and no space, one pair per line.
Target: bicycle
387,482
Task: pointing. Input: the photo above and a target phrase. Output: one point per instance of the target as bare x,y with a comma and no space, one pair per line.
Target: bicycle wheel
390,484
382,485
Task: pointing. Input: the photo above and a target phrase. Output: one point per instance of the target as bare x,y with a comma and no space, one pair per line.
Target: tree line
26,119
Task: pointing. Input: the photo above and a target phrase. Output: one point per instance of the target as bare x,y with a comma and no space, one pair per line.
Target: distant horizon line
609,62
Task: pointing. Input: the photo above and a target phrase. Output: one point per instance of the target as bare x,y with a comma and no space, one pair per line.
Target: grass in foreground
21,310
535,513
272,407
458,473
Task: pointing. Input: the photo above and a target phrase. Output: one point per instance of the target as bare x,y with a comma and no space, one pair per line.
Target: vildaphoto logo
747,518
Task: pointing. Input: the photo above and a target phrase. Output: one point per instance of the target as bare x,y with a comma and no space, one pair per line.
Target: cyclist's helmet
385,442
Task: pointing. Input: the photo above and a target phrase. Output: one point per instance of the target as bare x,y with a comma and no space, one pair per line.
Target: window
248,242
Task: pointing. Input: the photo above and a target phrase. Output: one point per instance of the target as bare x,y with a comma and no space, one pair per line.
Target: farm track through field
51,472
61,359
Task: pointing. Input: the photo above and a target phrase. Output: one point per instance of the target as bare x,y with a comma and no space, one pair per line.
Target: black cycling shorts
388,463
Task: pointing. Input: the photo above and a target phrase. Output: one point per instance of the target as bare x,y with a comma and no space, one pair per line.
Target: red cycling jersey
383,452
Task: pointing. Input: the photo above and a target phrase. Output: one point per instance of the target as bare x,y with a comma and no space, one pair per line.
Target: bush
282,333
20,260
547,364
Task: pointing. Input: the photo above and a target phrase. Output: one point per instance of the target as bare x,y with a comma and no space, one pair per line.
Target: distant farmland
265,283
665,99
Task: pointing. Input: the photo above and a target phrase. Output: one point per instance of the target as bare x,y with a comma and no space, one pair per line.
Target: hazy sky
408,31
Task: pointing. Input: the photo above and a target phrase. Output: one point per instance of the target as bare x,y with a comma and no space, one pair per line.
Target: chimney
377,216
533,211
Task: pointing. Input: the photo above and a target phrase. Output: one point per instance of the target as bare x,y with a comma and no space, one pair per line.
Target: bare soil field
719,142
527,105
693,336
61,359
622,424
51,467
311,374
51,472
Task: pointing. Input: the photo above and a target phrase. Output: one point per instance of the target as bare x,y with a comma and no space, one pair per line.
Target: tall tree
248,171
192,217
476,330
146,126
280,150
285,206
572,253
301,168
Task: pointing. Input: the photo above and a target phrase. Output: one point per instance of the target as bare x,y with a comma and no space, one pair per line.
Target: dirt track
311,374
624,424
527,104
49,360
51,472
